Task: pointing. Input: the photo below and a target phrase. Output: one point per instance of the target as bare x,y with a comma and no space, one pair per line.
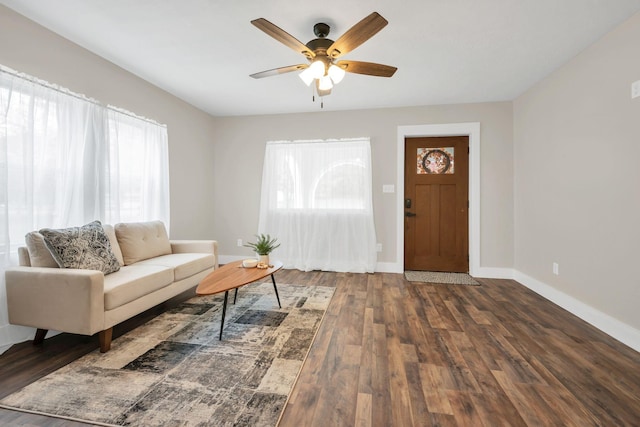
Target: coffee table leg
273,279
224,310
235,296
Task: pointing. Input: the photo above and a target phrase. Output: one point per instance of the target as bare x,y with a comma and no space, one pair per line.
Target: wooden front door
436,236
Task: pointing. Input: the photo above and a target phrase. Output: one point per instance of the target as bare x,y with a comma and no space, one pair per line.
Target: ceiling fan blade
281,70
283,37
368,68
356,35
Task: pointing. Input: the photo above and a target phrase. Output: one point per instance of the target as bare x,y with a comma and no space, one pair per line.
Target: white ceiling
446,51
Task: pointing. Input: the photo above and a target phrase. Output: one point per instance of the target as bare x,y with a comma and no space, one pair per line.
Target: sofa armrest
66,300
195,246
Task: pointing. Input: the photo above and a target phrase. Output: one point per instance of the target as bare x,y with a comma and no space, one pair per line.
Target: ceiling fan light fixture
325,83
307,76
336,73
321,92
317,69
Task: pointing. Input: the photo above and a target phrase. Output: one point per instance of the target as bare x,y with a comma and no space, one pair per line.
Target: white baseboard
226,259
607,324
388,267
494,273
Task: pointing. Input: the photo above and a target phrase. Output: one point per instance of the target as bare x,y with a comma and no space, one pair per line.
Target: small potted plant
263,246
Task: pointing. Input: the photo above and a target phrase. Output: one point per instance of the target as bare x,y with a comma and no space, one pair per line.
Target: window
340,186
316,198
66,160
139,173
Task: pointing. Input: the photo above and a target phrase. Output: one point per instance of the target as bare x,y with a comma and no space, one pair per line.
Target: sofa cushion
85,247
183,265
39,255
113,240
142,240
133,282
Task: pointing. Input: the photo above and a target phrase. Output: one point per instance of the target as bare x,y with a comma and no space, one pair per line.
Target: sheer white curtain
48,151
66,160
139,175
50,163
317,200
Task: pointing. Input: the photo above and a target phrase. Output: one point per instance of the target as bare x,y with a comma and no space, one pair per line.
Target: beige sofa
84,301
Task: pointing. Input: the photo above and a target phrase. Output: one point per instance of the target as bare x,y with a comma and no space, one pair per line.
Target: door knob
409,214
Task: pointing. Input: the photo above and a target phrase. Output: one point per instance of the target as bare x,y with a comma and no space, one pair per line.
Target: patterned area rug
173,371
439,277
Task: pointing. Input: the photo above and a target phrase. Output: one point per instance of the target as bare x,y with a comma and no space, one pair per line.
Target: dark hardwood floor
393,353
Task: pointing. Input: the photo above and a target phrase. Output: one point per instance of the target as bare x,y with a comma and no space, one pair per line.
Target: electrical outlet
239,242
556,269
388,188
379,247
635,89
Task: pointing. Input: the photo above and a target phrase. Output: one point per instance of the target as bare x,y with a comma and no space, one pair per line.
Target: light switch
635,89
388,188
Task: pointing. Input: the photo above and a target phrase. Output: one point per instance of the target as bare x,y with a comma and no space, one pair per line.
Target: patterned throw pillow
85,247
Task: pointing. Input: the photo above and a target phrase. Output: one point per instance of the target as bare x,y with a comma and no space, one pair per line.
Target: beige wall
30,48
240,145
577,179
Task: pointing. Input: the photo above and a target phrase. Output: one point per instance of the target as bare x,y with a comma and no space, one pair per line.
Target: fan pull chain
313,97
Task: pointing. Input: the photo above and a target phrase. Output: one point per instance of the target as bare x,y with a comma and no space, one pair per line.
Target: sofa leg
105,339
39,338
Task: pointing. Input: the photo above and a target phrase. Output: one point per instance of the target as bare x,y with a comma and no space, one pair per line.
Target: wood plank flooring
393,353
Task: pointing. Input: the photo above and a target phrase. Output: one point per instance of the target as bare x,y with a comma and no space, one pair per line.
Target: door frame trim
472,130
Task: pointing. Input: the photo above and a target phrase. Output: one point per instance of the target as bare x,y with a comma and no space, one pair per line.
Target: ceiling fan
322,53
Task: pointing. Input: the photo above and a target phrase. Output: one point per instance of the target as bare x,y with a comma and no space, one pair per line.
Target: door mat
173,370
440,277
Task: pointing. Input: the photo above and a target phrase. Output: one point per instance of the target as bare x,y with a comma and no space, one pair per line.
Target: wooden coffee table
232,276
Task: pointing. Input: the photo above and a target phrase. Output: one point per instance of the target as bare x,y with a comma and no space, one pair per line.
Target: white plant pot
264,259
